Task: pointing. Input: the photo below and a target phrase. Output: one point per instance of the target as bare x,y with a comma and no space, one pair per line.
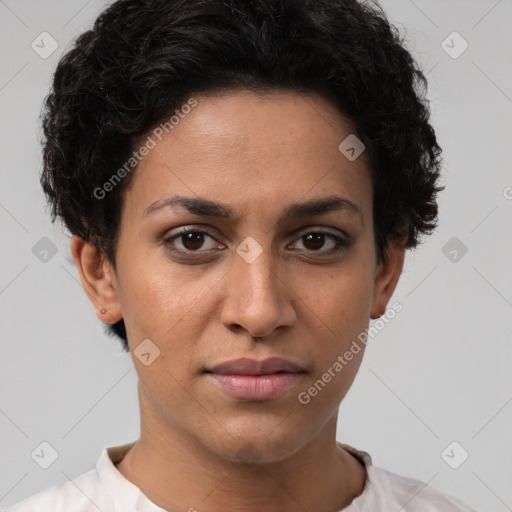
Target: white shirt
105,489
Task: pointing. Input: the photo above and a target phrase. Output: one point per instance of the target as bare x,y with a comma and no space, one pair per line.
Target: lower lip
256,387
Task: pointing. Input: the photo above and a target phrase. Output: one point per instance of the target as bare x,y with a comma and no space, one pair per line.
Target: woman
241,181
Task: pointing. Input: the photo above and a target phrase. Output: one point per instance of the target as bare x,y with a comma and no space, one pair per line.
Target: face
246,236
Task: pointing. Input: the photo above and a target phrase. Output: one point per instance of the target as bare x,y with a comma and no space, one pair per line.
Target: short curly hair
143,58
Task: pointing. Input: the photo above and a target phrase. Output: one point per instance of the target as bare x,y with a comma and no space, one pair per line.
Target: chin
253,444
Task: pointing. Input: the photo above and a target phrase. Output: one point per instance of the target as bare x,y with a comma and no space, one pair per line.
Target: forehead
253,149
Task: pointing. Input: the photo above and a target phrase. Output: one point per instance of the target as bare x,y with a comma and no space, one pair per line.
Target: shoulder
101,488
408,494
385,490
81,494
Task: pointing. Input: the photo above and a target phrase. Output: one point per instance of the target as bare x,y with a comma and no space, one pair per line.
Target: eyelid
341,238
320,229
296,233
173,235
336,233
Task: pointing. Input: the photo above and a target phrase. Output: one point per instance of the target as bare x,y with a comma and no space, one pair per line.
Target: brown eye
316,241
191,240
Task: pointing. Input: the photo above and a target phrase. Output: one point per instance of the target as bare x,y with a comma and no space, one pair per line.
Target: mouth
249,379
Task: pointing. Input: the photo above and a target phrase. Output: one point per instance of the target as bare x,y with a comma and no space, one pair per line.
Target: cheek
162,301
342,300
339,311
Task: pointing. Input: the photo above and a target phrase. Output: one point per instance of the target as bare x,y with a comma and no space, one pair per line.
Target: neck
176,473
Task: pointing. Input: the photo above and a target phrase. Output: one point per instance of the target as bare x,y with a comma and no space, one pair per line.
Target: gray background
439,372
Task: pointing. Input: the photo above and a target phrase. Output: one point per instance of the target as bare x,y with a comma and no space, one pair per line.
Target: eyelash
341,244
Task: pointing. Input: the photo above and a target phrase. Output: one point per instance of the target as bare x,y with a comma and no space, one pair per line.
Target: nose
257,297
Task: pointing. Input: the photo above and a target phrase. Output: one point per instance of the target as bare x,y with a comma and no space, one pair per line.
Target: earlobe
98,279
386,279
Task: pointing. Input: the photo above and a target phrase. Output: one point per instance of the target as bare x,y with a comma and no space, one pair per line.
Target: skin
200,447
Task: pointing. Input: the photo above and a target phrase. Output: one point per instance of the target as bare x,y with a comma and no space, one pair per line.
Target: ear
386,278
98,279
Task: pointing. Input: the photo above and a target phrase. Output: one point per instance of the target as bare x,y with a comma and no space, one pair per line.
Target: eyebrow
207,208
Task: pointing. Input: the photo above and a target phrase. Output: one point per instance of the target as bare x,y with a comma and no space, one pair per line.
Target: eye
194,240
191,240
313,241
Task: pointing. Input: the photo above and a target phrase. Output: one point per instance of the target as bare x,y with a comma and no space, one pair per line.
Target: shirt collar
124,494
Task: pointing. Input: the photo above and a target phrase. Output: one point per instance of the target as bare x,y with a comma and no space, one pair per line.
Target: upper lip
246,366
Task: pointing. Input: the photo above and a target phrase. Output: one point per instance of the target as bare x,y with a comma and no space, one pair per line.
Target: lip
246,366
249,379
